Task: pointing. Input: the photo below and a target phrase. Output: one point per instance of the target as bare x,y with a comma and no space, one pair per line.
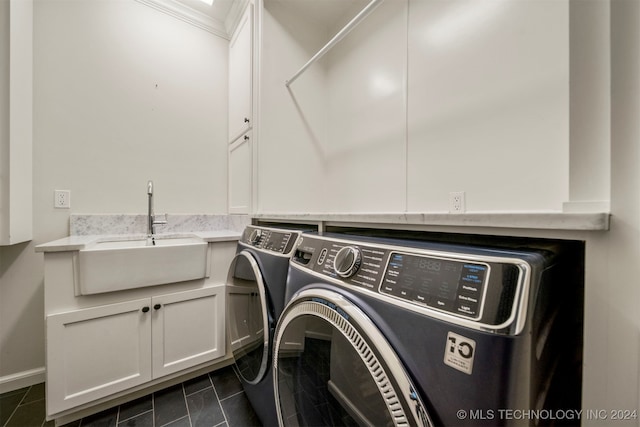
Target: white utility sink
108,265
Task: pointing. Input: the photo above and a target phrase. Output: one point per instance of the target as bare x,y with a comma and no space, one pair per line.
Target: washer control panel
478,288
450,285
270,239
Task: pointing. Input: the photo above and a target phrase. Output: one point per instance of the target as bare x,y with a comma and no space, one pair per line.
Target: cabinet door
240,76
95,352
16,121
188,329
240,177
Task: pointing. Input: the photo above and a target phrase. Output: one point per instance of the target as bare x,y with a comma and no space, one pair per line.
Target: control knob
254,238
347,261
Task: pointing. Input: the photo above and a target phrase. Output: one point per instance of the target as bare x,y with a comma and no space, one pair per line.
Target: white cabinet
240,178
96,352
240,175
187,329
241,76
16,117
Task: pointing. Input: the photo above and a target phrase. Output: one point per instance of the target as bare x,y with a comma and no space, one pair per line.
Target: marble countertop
76,243
598,221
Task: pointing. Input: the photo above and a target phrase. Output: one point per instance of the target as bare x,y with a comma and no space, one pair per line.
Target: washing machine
255,300
380,332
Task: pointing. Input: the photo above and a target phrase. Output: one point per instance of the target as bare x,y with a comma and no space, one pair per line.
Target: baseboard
21,379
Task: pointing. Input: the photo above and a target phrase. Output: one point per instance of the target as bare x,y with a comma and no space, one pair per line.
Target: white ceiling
223,15
332,14
219,10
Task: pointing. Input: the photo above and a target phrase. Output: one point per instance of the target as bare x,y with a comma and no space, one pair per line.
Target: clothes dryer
255,300
396,333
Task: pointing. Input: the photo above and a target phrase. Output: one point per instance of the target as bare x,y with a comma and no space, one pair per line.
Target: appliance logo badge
459,352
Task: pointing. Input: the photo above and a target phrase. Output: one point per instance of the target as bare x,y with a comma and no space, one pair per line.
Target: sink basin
109,265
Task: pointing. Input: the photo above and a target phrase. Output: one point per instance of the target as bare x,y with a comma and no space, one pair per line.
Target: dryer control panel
270,239
482,288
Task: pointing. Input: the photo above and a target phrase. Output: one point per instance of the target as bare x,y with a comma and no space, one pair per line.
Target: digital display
450,285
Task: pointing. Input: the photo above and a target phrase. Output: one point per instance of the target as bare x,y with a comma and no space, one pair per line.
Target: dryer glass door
332,367
247,317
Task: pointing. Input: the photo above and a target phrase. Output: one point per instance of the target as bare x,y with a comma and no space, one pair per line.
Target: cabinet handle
145,309
246,137
246,119
157,306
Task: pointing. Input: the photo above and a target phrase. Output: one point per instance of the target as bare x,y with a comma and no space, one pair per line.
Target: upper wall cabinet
240,76
16,117
240,175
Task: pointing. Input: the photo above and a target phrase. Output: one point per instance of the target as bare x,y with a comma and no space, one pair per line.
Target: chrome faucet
151,217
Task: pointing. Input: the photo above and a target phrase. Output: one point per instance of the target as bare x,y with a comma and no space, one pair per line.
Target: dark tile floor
214,399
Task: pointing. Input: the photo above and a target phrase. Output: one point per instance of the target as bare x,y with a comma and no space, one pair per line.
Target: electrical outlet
456,202
62,199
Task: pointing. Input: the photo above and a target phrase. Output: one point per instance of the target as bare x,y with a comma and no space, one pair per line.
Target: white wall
590,96
292,123
620,341
122,94
126,94
421,99
488,98
348,108
365,148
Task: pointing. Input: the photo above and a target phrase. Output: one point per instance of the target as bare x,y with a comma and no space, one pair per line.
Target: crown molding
191,16
235,15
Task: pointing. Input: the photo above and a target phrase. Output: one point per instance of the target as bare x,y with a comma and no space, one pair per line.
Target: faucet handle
160,221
